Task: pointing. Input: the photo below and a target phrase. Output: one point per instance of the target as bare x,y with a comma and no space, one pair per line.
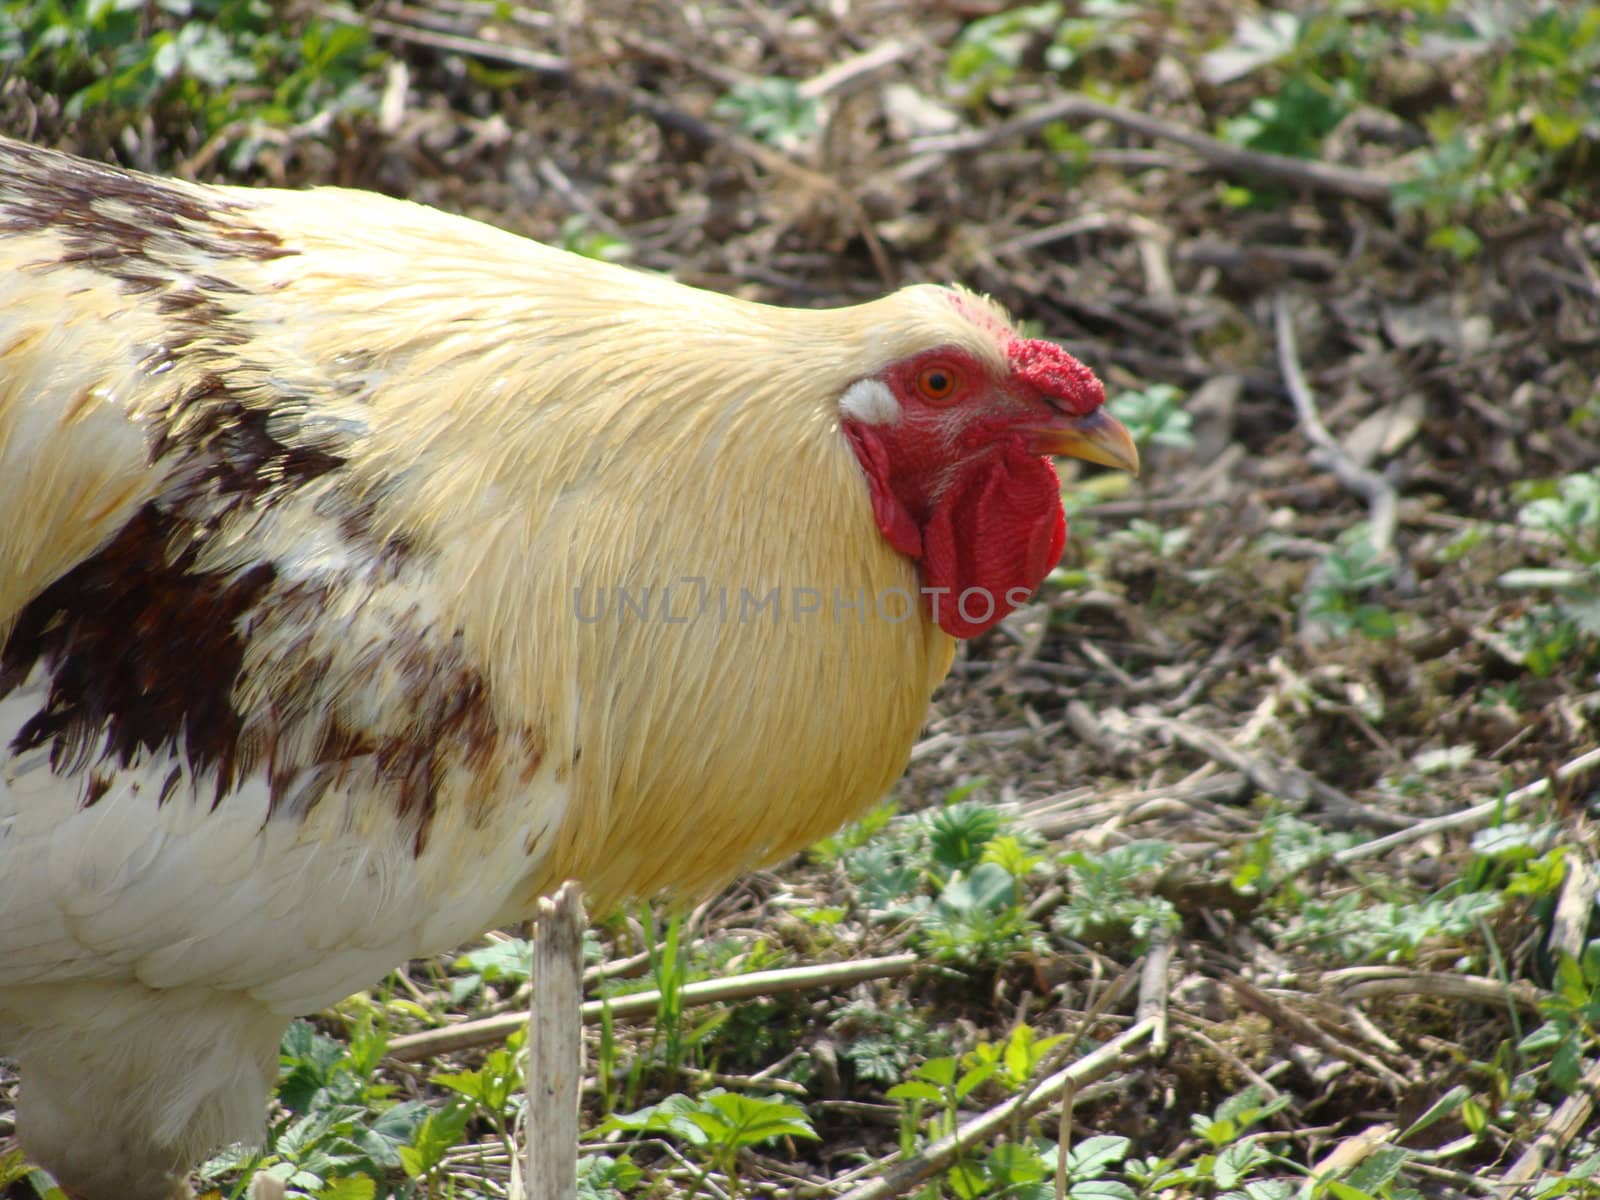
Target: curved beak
1097,438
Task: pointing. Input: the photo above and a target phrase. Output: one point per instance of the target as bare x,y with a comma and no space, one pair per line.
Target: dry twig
1471,818
1153,991
641,1004
1357,983
1253,997
1278,168
1286,781
1381,498
1569,926
938,1156
555,1047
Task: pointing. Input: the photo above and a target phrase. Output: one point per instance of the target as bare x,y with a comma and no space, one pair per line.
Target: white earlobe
870,402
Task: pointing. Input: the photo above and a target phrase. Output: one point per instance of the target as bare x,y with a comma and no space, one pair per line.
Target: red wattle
894,519
992,539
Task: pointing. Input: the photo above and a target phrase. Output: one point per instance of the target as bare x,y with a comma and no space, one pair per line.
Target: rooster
366,571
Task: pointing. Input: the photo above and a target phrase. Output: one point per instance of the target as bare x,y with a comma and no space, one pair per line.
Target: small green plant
773,111
1544,638
1285,847
581,237
340,1124
1356,928
943,1083
855,835
715,1126
494,1090
223,67
959,833
957,875
1154,416
1159,540
1293,120
1568,508
1224,1153
507,962
989,52
880,1041
510,961
1572,1019
1333,606
1109,894
673,1041
1548,637
607,1177
1018,1057
978,919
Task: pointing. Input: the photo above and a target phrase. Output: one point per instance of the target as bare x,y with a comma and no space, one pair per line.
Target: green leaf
348,1187
604,1177
1010,1164
1257,42
510,960
1269,1189
490,1087
971,1080
772,110
1093,1155
958,833
966,1181
1101,1189
914,1089
670,1116
1438,1110
1566,1066
1379,1168
941,1071
439,1132
1340,1190
1236,1161
734,1120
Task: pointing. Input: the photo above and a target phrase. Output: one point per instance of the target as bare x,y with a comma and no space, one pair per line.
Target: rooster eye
937,383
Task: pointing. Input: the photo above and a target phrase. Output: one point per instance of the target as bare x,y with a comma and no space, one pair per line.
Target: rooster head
956,438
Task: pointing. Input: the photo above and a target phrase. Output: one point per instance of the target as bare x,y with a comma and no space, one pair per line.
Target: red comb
1049,369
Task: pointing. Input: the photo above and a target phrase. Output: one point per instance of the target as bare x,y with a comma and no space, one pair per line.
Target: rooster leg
126,1088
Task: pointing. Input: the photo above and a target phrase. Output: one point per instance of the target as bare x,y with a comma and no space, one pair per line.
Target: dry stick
1471,818
1100,1003
1297,172
1350,1153
429,1042
1378,492
555,1047
1153,989
1573,910
1569,1119
1465,989
853,74
906,1175
1064,1138
1286,781
1254,998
